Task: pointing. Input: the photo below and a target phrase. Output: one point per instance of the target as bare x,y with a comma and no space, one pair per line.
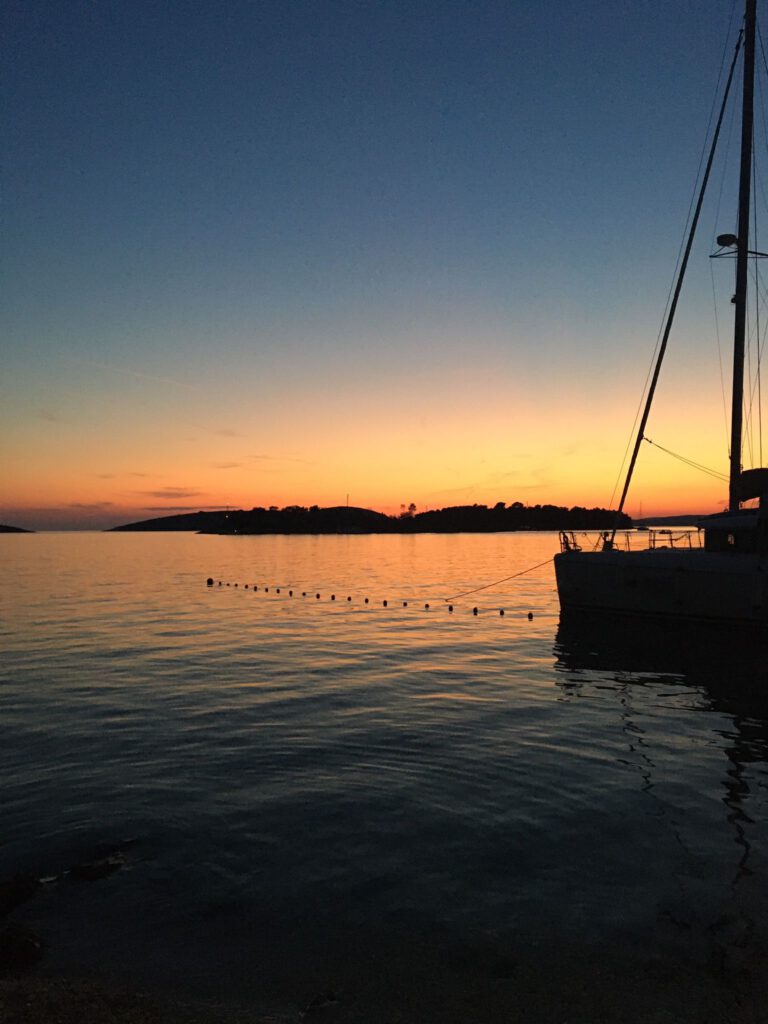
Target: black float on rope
210,582
530,616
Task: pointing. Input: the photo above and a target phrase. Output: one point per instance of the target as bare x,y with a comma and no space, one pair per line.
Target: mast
742,254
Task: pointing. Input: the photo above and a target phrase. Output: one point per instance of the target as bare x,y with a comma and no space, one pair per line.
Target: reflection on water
446,816
653,668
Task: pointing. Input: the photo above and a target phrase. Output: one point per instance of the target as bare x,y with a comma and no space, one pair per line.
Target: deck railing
631,540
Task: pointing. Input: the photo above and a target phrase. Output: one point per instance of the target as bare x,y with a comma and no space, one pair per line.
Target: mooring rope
254,588
488,586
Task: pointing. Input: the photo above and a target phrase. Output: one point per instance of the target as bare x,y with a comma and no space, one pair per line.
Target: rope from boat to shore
506,579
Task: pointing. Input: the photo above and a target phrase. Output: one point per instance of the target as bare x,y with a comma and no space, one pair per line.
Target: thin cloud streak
184,508
170,492
137,374
281,458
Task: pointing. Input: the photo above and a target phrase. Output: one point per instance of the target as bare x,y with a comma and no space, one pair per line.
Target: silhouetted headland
13,529
688,519
499,518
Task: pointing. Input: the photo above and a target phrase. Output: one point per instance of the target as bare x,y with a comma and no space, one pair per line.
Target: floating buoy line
210,582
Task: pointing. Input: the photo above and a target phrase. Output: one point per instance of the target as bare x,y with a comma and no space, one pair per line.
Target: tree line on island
345,519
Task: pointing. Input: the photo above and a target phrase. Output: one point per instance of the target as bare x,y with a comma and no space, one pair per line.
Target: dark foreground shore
545,986
53,1000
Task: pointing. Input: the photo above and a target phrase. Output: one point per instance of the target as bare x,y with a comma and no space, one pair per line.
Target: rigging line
488,586
644,389
753,337
761,348
762,341
747,397
761,97
731,119
678,284
694,192
688,462
747,400
715,228
720,357
762,107
757,324
727,147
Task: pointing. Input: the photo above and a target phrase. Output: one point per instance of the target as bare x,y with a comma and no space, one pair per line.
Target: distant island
296,519
13,529
690,519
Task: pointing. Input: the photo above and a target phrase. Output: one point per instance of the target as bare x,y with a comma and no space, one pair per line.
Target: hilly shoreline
295,519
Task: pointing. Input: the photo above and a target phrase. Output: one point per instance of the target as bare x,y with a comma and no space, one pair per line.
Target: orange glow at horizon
384,448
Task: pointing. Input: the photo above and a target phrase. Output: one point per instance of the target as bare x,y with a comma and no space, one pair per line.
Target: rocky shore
713,976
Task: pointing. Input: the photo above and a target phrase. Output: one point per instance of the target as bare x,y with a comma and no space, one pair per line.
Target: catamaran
725,578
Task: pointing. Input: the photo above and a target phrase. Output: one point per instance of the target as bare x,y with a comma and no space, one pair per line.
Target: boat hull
668,583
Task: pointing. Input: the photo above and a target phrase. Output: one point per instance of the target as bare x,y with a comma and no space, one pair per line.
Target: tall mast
742,254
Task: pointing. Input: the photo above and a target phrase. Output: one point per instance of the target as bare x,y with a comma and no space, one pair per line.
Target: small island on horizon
343,519
4,528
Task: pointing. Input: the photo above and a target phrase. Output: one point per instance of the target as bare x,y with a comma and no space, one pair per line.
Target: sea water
402,810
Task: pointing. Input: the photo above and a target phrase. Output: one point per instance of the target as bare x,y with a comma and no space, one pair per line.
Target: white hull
672,583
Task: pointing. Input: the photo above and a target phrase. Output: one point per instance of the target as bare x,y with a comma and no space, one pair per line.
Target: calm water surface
416,808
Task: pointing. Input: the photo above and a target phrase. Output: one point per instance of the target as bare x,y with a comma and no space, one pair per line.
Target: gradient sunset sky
282,252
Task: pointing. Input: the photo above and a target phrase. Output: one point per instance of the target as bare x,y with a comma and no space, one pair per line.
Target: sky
383,251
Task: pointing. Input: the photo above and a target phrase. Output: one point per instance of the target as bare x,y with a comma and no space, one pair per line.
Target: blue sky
282,205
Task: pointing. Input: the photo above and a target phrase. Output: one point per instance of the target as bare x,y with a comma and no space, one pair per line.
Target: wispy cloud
226,465
117,476
280,458
184,508
94,506
171,493
48,416
136,374
227,432
520,480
